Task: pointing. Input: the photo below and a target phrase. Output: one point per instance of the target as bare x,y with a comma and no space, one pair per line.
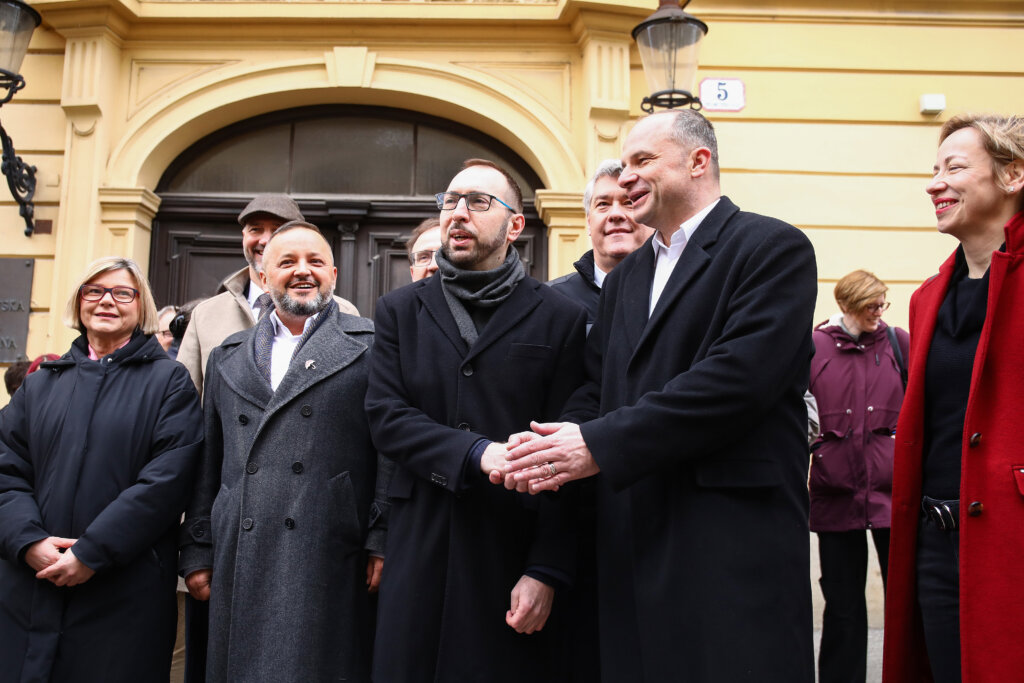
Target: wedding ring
551,466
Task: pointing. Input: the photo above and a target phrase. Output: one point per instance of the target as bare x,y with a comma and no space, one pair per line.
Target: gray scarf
472,295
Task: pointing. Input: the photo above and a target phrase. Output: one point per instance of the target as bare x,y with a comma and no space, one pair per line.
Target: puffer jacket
859,391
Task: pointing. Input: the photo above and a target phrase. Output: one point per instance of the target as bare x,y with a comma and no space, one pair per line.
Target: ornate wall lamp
17,22
668,41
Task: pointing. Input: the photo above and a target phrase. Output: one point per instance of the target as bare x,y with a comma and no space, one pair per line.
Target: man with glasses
460,361
422,246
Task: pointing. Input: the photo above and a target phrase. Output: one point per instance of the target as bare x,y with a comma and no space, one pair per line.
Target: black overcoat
702,513
102,451
458,544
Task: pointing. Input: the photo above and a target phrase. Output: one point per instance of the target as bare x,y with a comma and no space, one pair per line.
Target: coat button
849,411
975,439
289,523
243,419
199,533
871,409
467,371
838,345
247,523
251,468
464,426
975,509
297,467
306,410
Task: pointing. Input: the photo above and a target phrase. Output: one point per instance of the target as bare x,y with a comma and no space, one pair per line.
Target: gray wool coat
285,492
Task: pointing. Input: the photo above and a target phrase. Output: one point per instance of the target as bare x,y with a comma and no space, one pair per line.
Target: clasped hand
55,561
544,459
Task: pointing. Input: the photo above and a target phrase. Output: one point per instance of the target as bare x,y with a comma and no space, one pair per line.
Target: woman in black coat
97,452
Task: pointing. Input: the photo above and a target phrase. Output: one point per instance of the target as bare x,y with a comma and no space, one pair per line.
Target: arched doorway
365,175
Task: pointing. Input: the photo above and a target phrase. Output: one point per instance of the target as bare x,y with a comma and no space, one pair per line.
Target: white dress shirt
599,276
254,293
666,257
284,347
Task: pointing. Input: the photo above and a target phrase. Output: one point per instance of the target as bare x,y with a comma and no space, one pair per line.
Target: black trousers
938,593
843,556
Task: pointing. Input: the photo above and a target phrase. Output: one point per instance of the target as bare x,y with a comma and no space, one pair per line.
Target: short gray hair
691,130
609,168
148,320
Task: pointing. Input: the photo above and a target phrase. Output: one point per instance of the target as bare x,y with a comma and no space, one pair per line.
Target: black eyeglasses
475,201
122,295
423,257
878,308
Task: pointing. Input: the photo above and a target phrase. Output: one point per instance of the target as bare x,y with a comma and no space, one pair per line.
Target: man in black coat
693,419
461,360
613,232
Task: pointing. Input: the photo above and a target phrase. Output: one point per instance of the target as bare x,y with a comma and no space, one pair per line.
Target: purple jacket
859,392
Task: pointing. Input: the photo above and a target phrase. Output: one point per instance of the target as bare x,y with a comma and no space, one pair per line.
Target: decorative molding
350,67
549,83
124,208
606,70
152,77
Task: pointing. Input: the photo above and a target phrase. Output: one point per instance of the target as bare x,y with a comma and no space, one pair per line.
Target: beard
478,252
301,309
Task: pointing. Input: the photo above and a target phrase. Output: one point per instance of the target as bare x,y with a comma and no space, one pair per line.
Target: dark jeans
844,630
938,593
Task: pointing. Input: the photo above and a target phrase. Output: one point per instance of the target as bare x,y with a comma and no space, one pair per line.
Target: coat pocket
516,350
343,518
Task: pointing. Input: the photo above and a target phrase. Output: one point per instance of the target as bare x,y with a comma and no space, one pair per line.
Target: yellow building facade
830,138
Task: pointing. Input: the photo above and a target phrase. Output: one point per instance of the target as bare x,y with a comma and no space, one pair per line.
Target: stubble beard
300,309
478,253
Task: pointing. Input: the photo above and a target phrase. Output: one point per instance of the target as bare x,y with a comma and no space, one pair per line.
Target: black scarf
472,295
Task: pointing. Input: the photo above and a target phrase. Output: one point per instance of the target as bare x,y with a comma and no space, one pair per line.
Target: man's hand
492,462
559,456
374,567
531,605
42,554
198,584
66,571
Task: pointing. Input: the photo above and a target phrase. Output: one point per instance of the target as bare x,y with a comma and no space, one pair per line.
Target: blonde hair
1001,136
858,289
148,319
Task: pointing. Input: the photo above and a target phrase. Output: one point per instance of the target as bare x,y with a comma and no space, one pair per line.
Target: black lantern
17,22
668,41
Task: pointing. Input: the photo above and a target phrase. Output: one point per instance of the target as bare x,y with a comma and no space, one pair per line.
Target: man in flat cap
240,299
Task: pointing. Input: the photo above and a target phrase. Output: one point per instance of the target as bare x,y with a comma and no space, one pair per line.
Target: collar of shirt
284,347
95,356
599,276
687,228
254,293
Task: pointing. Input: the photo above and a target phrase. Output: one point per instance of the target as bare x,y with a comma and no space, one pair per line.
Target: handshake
551,455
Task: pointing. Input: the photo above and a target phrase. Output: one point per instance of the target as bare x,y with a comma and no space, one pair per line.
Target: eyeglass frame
107,290
413,257
440,196
878,308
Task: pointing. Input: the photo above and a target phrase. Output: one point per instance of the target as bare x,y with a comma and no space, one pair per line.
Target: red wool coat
992,475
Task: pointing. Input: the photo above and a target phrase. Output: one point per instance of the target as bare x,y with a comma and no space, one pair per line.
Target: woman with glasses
956,604
857,380
97,452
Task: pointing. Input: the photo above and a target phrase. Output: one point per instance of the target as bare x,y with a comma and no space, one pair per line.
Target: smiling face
257,231
106,321
299,273
610,224
666,183
479,240
964,188
867,318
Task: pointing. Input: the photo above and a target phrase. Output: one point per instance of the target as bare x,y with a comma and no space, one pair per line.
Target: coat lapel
327,351
636,293
238,370
433,300
692,262
523,299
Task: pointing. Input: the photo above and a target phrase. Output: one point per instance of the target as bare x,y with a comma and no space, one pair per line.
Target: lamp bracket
670,99
21,177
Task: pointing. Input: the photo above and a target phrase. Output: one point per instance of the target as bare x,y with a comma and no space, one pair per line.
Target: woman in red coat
955,604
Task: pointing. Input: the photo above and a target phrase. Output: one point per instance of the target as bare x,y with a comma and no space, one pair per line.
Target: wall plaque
15,304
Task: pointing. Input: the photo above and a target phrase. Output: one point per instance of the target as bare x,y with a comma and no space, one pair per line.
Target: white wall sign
722,94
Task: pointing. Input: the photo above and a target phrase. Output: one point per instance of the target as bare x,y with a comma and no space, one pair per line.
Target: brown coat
219,317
